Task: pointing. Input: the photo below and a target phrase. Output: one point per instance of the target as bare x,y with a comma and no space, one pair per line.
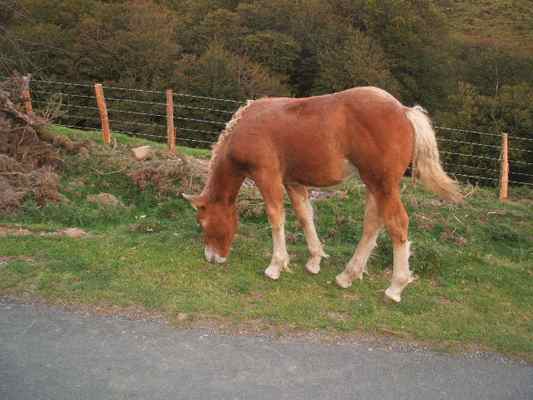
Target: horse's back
309,139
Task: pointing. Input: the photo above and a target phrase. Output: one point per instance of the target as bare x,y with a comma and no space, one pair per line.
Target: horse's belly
320,172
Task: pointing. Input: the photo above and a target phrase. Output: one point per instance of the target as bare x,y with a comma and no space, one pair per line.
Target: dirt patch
5,259
14,231
74,233
9,230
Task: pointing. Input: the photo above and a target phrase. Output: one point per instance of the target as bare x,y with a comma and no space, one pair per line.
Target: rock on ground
142,153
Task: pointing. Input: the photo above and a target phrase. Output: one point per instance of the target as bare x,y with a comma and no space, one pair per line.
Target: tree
356,61
221,26
489,69
115,45
219,73
277,51
414,36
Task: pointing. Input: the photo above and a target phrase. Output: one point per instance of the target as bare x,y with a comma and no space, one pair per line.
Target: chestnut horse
296,143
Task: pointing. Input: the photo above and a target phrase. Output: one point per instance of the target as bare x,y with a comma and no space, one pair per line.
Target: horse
295,143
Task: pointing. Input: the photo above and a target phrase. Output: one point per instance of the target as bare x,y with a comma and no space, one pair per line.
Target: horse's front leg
304,212
271,188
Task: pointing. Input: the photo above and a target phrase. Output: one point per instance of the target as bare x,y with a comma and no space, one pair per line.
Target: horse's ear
196,201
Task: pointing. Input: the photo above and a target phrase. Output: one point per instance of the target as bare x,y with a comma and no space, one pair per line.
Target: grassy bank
473,262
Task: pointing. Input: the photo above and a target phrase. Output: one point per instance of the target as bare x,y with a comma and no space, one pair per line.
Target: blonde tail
426,160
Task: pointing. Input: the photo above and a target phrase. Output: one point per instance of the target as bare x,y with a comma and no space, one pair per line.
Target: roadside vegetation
473,261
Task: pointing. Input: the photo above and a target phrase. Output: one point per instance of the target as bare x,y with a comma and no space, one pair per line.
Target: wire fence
469,155
142,113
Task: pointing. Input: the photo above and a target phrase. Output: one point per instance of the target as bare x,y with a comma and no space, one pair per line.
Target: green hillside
499,24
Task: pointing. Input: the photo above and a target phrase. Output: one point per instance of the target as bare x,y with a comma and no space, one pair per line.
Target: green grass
96,136
473,262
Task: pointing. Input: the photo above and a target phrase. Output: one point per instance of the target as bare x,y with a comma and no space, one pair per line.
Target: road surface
46,353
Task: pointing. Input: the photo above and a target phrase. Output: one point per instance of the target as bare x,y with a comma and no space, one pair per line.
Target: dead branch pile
29,153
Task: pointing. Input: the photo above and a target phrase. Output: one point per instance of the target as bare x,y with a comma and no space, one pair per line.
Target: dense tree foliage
250,48
304,46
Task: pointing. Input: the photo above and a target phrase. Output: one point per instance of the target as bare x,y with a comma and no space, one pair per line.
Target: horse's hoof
391,297
313,266
343,280
272,273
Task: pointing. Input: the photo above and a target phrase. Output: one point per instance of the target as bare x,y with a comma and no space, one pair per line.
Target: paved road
50,354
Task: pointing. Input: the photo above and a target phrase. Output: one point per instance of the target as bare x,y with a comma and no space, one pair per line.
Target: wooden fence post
102,108
504,174
171,130
26,94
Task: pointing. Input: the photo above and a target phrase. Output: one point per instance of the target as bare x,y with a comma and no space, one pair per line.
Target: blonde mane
230,126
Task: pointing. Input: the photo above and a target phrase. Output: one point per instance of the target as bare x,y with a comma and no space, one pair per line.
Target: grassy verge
473,262
96,136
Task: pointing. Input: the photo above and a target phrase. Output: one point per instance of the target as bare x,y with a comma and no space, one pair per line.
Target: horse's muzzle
212,257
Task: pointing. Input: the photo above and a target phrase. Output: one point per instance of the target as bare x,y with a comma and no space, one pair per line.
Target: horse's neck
223,181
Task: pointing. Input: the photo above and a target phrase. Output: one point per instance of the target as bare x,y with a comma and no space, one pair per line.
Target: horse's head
219,223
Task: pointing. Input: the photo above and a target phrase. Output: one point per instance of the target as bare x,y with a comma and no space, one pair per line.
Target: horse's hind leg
271,187
396,222
357,265
304,212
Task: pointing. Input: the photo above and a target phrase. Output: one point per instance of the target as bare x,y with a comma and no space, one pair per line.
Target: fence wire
467,154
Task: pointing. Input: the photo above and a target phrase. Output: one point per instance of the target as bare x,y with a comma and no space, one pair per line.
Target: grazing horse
296,143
